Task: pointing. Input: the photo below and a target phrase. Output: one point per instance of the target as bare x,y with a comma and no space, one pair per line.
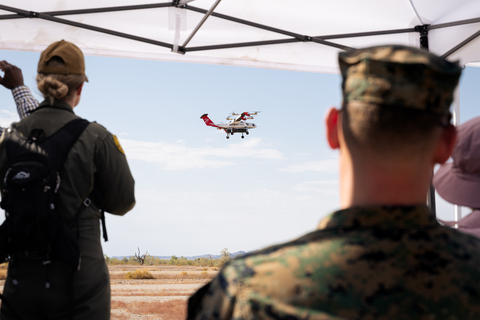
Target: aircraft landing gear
228,137
242,136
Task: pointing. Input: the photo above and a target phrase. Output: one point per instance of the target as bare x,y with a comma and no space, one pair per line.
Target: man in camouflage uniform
383,255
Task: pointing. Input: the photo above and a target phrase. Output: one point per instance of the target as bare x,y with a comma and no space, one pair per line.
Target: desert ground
164,297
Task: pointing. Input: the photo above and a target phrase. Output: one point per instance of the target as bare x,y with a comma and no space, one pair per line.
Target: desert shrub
224,256
183,273
149,260
182,261
115,261
175,260
139,274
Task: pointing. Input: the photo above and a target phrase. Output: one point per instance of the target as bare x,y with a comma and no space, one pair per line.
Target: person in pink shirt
458,182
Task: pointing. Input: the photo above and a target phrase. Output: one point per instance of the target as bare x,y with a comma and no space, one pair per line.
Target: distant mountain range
214,256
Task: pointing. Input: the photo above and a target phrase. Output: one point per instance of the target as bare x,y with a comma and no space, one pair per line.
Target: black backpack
33,229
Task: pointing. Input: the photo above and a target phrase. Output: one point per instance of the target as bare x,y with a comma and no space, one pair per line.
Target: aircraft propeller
247,114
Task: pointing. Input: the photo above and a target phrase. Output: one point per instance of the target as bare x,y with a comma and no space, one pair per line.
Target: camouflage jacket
361,263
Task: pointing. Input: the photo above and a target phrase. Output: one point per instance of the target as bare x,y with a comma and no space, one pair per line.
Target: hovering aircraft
237,123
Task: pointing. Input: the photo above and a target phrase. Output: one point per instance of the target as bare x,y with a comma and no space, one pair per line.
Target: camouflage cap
399,76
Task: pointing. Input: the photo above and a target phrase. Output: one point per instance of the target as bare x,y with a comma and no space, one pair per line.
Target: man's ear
332,123
445,145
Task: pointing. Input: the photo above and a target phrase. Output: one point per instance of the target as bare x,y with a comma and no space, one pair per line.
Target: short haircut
388,130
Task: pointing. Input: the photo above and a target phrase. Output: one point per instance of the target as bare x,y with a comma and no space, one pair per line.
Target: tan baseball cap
68,52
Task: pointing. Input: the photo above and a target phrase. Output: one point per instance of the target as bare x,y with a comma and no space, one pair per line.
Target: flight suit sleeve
114,181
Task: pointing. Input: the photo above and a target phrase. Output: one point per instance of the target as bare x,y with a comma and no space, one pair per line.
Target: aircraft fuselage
236,125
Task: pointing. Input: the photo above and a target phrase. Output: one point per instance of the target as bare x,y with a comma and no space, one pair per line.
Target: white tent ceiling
313,29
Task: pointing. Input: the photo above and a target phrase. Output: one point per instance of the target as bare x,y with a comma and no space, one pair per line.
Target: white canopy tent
282,34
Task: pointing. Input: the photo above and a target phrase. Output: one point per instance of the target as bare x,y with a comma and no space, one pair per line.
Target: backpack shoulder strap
56,147
63,140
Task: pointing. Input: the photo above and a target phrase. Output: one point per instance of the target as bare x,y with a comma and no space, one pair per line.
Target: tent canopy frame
294,37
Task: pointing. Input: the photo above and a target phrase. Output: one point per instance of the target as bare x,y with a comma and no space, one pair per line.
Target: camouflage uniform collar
379,216
58,104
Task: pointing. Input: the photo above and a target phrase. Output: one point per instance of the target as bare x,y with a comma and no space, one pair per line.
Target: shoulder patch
117,144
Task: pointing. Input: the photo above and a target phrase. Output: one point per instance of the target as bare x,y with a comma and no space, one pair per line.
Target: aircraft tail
207,120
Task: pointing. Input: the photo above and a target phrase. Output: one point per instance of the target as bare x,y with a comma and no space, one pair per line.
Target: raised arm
13,80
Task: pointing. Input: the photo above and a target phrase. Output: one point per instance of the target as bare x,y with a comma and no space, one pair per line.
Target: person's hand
13,76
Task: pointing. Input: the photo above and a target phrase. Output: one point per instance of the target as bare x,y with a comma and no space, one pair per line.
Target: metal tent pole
456,122
431,200
423,31
461,44
454,23
39,15
88,11
200,24
300,37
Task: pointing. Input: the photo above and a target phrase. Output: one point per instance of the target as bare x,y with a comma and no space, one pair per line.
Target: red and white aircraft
237,124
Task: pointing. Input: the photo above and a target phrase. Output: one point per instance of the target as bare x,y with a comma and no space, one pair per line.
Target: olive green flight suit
96,158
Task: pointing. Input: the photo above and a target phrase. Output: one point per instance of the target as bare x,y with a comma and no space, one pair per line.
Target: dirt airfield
164,297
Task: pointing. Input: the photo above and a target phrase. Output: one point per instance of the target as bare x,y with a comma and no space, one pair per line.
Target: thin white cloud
178,156
7,117
328,165
325,187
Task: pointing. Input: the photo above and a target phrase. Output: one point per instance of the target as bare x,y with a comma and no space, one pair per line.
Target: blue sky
196,191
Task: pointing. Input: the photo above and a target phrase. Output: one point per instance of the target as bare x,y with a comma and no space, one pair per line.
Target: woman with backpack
56,264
